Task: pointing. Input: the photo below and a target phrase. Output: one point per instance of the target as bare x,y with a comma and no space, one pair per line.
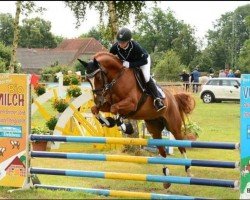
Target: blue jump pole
137,141
137,177
119,193
136,159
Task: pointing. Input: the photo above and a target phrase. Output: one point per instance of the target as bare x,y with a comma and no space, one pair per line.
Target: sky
199,14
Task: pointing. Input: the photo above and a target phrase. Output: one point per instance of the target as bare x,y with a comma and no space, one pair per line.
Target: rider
133,55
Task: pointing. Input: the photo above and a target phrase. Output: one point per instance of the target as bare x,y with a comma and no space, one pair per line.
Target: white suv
221,89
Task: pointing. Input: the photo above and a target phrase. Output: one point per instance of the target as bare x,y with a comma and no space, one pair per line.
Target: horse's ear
96,62
85,64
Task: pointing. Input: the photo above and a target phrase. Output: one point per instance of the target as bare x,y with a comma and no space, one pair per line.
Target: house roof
16,161
39,58
66,53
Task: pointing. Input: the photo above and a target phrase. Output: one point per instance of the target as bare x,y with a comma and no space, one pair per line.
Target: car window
226,82
229,82
214,82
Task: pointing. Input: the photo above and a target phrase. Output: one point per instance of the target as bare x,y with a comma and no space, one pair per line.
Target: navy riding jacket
134,54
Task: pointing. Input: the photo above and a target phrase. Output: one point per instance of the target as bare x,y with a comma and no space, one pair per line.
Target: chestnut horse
115,90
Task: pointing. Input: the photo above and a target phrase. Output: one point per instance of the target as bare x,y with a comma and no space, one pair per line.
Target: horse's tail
186,104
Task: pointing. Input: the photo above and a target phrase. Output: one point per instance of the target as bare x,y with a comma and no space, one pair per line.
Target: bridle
104,91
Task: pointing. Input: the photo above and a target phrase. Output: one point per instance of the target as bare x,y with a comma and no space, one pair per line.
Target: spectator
222,73
195,79
230,74
185,78
237,73
226,71
211,72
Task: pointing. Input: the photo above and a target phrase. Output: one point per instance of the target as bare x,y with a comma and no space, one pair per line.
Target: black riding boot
155,94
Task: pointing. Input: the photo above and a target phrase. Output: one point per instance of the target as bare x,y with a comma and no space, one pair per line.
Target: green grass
219,122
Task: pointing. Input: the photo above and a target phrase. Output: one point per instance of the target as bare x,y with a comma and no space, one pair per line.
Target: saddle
142,82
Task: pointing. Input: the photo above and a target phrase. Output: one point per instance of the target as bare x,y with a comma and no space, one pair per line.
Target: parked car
220,89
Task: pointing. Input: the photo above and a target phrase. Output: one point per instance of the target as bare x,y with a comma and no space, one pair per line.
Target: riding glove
126,64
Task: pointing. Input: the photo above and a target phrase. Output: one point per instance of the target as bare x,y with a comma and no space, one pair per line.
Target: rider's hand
126,64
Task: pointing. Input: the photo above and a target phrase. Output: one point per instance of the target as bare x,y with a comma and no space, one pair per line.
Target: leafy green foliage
169,67
244,59
5,56
60,105
203,60
36,33
39,130
160,31
51,123
39,89
6,28
119,12
228,37
49,73
192,127
74,79
74,91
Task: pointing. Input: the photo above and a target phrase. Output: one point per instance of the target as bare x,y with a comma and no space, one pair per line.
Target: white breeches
146,69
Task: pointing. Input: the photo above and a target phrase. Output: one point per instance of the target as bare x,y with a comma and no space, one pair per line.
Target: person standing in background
195,79
185,78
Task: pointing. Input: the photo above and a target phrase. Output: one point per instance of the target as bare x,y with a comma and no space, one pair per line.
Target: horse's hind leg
178,136
155,128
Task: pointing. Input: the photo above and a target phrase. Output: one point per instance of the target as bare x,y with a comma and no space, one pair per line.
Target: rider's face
123,45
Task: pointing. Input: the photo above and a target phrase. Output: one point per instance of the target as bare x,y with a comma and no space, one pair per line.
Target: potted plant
74,80
51,123
192,131
39,145
39,89
74,91
60,105
66,80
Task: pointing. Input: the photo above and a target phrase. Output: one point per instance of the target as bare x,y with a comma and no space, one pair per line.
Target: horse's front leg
127,104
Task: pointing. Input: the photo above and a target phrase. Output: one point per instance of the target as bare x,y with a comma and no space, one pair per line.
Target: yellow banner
14,128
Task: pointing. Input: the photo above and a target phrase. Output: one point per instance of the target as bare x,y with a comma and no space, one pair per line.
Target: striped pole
118,193
137,177
136,159
137,141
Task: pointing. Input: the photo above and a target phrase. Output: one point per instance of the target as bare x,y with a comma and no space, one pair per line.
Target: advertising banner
245,137
14,128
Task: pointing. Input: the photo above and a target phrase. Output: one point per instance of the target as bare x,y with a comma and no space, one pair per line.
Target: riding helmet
124,35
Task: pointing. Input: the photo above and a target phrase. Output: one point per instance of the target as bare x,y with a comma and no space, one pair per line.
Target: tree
6,28
22,7
185,44
203,60
156,30
36,33
230,32
168,67
5,55
160,31
119,12
244,58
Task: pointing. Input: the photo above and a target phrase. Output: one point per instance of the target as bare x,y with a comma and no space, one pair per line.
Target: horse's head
102,73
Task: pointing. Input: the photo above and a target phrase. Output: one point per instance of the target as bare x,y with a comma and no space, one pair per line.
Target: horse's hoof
189,174
166,185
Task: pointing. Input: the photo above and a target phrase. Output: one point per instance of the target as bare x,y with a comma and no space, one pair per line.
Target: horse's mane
108,54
